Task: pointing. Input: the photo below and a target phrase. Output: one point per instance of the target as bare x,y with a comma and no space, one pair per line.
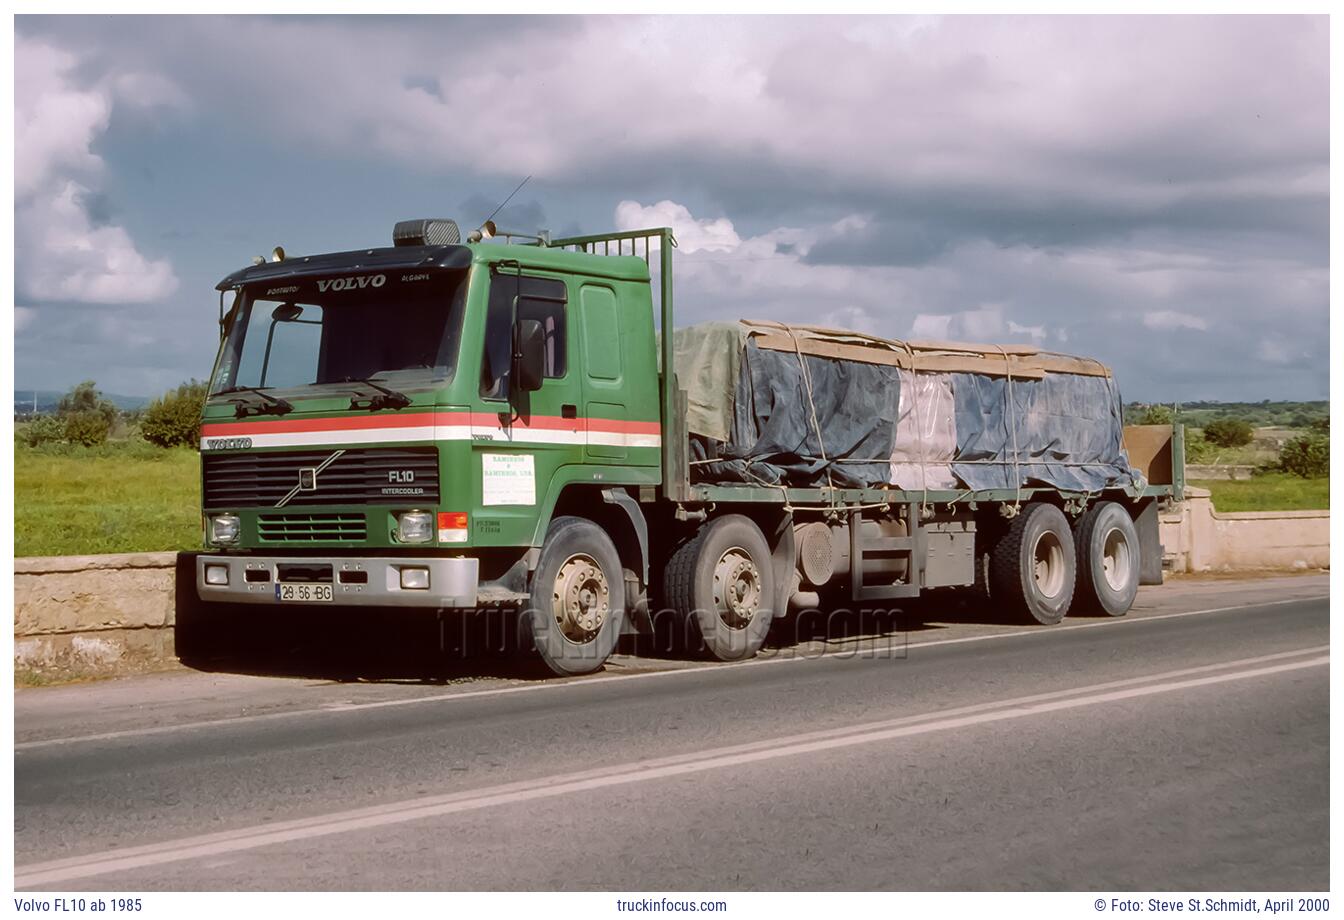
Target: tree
85,397
174,419
85,415
1229,432
1157,414
1307,456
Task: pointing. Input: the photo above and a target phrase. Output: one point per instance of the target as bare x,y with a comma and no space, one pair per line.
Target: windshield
402,331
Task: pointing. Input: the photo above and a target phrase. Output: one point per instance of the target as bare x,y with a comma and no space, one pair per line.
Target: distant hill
47,400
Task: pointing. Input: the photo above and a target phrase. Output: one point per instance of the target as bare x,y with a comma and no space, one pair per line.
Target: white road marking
47,874
848,650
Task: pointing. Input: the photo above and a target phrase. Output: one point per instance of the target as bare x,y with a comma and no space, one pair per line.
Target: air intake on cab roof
431,231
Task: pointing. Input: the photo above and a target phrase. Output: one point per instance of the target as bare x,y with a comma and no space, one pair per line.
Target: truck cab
398,426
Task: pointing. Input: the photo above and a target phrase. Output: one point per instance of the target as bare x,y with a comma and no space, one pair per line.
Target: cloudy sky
1149,190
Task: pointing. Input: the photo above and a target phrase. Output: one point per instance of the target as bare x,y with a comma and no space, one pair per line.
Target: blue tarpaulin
1066,429
807,419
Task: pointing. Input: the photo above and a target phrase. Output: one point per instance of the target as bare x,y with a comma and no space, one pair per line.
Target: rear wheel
1031,568
577,604
1108,560
721,588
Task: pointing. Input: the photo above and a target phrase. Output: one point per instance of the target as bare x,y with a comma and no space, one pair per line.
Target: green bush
88,427
1155,415
45,429
1307,456
1321,425
174,419
1197,449
1229,432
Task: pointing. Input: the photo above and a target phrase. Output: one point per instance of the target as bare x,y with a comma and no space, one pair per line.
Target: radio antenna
506,200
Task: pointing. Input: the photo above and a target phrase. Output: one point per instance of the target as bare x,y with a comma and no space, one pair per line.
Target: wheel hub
1115,559
581,598
737,588
1048,564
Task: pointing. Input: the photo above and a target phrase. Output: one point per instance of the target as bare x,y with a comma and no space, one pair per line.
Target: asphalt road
1184,747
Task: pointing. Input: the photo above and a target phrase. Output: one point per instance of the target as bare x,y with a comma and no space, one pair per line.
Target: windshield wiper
386,398
270,405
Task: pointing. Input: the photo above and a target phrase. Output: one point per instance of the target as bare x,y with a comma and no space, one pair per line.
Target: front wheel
577,603
721,586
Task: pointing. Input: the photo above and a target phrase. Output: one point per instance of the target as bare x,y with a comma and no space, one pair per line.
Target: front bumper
364,581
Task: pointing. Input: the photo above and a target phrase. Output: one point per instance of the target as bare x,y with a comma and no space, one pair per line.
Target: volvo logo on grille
308,479
226,444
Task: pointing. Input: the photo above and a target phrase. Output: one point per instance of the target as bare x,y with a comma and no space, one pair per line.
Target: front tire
577,604
1031,568
721,587
1108,560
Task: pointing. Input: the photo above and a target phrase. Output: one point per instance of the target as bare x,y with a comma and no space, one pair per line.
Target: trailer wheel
577,603
1108,560
721,587
1031,568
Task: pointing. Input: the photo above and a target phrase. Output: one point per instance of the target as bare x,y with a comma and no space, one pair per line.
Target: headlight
224,529
415,526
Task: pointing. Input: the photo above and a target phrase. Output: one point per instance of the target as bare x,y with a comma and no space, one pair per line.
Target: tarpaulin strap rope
812,409
919,425
1010,410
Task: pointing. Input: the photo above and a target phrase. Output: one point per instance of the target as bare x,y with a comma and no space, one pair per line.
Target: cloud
62,251
691,235
1171,319
1275,350
23,317
1036,333
1082,301
1044,125
969,176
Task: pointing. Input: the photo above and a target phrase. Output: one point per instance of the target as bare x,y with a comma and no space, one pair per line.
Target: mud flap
1150,543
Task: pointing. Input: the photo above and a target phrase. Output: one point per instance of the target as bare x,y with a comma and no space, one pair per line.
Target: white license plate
302,593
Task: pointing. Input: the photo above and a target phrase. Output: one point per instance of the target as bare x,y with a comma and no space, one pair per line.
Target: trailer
498,424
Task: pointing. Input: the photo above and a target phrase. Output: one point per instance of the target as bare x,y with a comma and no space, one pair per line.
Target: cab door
604,396
519,440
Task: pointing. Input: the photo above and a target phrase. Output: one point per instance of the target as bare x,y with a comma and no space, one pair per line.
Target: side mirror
529,355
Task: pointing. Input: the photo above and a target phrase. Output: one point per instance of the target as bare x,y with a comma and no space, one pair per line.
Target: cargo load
781,405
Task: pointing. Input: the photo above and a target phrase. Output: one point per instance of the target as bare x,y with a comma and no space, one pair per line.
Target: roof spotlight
278,254
486,232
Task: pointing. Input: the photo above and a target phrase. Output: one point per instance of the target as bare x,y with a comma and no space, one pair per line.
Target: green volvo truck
486,424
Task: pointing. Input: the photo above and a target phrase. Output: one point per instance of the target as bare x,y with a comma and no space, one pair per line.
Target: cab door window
541,299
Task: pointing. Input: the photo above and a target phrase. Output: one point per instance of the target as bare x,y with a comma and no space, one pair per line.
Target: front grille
369,476
310,528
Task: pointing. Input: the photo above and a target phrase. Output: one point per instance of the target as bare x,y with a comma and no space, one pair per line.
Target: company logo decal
351,284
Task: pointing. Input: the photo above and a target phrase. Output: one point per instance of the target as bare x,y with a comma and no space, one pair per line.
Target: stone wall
1198,538
94,614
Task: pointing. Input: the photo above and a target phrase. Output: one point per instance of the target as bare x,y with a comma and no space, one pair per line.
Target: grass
1268,492
122,497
